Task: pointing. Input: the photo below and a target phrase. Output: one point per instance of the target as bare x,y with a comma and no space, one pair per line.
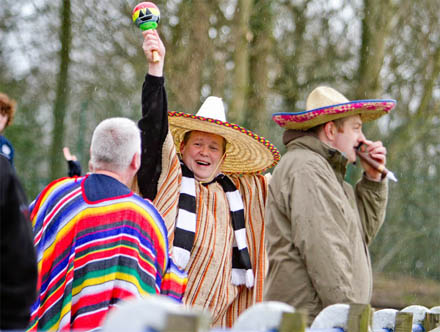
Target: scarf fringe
181,257
242,277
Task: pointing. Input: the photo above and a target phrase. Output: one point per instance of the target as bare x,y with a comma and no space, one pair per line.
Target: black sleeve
154,129
18,263
74,168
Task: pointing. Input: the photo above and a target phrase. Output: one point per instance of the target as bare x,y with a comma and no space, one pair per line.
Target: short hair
339,124
7,107
114,143
187,135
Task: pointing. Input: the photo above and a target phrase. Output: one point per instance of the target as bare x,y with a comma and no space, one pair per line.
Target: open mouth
203,163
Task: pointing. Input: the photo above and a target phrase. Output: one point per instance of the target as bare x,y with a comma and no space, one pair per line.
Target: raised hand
152,42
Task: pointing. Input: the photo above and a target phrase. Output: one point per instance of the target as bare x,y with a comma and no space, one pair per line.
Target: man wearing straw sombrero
318,227
212,197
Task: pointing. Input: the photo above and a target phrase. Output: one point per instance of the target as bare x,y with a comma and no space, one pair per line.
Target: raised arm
372,192
371,199
154,121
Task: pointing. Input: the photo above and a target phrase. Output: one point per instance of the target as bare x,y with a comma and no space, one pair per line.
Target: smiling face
202,153
348,136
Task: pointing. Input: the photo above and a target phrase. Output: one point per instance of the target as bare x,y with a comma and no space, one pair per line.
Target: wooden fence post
404,322
293,322
182,323
359,317
431,321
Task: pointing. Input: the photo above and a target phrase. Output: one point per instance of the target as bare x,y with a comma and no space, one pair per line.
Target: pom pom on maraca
146,15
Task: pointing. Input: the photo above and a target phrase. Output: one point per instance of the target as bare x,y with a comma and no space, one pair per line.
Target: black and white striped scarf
186,226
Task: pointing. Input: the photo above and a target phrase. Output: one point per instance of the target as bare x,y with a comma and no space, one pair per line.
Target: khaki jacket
318,229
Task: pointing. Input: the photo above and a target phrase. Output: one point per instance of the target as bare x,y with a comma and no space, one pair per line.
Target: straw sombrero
246,152
325,104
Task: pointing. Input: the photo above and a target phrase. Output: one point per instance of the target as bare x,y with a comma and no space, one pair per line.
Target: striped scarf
186,227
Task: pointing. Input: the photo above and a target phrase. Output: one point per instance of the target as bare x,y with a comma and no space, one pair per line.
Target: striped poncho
210,265
97,243
209,268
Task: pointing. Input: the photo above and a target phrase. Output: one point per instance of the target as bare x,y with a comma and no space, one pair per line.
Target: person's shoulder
5,141
302,160
66,181
303,154
55,192
302,164
147,205
141,200
6,148
60,185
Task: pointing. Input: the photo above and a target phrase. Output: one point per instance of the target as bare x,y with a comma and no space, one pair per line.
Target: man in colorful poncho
215,221
97,242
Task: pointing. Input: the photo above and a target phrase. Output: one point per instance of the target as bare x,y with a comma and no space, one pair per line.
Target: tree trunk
241,60
190,48
62,91
375,30
257,117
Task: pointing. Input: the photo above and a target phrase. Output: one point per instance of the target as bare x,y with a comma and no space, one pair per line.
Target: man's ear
223,159
182,147
330,130
136,161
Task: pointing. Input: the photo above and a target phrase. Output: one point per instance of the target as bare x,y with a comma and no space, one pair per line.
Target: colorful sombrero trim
273,150
366,107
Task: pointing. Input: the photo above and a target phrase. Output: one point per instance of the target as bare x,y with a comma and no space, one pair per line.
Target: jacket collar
297,139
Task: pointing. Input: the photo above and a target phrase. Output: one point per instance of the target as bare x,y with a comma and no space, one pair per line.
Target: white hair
114,143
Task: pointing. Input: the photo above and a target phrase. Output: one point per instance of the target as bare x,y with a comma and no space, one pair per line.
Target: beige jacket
318,229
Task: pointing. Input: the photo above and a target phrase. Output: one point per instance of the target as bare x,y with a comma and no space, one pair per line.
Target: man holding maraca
215,221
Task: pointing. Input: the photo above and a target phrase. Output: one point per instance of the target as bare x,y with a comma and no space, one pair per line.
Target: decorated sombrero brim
246,152
368,110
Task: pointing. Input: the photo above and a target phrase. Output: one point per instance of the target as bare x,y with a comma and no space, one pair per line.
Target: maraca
146,15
